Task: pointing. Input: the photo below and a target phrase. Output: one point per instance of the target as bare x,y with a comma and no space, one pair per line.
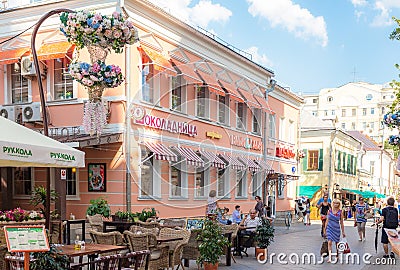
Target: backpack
391,219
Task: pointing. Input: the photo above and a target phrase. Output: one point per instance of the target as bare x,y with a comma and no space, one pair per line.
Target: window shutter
339,163
321,160
305,160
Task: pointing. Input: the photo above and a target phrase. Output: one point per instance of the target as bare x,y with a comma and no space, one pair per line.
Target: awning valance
250,99
264,164
371,194
308,191
12,56
54,50
213,158
159,61
190,155
188,72
233,161
161,152
232,90
355,191
250,163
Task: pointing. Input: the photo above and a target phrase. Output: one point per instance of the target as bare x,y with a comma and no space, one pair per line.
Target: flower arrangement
87,27
394,140
98,74
19,215
301,154
392,119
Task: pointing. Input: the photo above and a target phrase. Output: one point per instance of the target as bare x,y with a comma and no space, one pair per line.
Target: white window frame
72,179
153,85
225,183
156,179
282,128
243,183
8,85
181,81
272,126
206,182
241,121
206,102
256,181
225,111
51,95
256,119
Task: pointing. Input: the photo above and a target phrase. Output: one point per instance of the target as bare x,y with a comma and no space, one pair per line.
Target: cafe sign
213,135
284,152
246,142
167,125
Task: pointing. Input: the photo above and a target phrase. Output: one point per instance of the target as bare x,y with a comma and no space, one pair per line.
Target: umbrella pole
43,101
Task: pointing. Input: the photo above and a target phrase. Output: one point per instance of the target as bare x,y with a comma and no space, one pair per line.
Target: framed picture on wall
97,181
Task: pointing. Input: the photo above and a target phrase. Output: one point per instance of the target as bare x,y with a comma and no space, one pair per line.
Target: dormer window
329,99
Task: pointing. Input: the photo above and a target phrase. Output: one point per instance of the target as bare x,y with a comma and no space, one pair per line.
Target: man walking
390,219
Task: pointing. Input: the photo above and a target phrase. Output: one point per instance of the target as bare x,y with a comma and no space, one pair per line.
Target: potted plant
121,216
212,245
98,206
38,199
264,237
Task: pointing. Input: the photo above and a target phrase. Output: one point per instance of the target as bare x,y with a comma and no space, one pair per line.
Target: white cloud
292,17
201,14
258,58
359,2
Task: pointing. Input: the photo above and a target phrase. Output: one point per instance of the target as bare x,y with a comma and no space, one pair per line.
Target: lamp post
43,100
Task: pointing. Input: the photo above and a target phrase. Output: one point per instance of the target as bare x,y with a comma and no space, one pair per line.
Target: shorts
384,238
361,226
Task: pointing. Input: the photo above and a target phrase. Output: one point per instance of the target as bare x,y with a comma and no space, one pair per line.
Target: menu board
26,238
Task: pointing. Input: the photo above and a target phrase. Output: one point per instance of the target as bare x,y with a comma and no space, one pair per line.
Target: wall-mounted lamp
272,84
73,170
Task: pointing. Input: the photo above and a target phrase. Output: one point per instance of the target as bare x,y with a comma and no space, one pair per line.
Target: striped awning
12,56
190,155
54,50
264,164
161,152
213,158
250,163
233,161
159,61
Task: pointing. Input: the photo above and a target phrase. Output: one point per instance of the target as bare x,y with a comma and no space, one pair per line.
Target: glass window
200,183
326,112
63,82
176,181
257,185
222,109
353,112
22,181
364,125
241,183
19,85
222,181
353,125
256,121
71,182
312,160
281,185
272,126
372,110
343,125
241,116
333,112
176,94
330,99
383,110
343,112
147,84
146,172
314,100
364,111
201,98
372,167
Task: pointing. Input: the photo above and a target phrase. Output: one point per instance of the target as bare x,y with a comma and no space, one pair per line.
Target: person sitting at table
236,215
248,227
221,216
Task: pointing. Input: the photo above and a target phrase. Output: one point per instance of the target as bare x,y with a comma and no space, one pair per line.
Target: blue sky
309,44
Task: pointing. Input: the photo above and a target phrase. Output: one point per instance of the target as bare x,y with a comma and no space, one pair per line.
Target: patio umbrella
23,147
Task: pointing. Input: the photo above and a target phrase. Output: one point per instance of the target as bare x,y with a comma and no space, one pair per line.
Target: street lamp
43,101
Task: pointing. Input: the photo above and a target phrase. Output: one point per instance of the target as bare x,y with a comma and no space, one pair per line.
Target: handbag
324,248
343,246
349,215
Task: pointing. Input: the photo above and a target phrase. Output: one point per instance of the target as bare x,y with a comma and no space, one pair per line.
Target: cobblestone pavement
300,239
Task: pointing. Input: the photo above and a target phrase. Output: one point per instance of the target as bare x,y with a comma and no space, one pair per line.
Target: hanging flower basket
394,140
84,28
392,120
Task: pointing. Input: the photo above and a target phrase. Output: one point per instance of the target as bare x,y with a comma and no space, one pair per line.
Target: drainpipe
331,163
127,140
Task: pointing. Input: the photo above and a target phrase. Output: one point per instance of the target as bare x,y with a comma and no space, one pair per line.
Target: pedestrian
259,206
390,219
334,226
324,207
212,202
307,205
236,215
361,209
322,198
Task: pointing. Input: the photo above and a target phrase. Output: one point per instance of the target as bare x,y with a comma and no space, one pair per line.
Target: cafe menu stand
26,239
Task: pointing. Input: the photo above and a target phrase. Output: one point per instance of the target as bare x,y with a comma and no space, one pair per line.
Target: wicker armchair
175,222
95,222
3,252
159,257
136,260
109,262
136,228
148,225
233,230
191,250
175,255
108,238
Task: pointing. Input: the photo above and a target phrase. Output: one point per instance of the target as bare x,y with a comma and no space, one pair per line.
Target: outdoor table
67,233
168,239
120,225
394,241
91,250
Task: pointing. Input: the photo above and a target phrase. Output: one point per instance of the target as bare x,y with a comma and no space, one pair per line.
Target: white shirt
252,223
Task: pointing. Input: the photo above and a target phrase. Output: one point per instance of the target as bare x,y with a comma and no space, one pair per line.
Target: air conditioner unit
10,112
32,112
28,67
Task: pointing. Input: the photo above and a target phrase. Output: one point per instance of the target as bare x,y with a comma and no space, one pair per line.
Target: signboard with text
26,238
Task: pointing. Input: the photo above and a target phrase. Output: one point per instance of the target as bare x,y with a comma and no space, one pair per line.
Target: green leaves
99,206
264,233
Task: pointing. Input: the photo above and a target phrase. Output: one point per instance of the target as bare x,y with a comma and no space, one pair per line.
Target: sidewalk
300,240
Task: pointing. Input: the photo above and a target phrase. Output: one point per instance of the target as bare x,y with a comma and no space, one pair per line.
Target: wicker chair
175,222
3,252
233,229
191,250
148,225
136,228
175,255
109,262
136,260
95,222
109,238
159,257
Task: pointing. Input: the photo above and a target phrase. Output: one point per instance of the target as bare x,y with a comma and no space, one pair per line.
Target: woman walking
324,207
359,218
334,226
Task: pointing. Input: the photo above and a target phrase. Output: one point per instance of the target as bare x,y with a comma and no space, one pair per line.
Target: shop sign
213,135
284,152
167,125
246,142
